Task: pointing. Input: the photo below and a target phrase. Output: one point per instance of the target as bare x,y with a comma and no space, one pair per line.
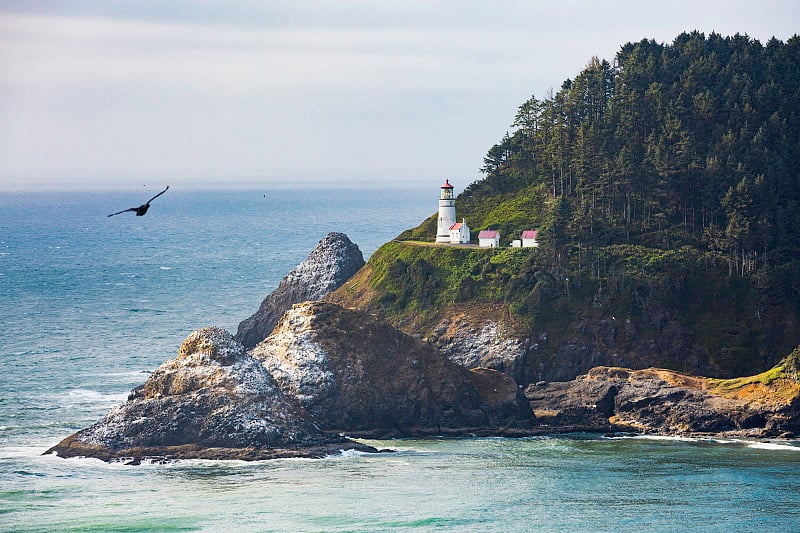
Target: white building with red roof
489,238
459,233
529,239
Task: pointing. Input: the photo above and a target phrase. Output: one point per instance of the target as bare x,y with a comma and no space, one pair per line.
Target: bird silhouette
142,209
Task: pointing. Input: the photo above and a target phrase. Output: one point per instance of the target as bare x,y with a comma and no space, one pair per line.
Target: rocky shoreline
326,374
663,402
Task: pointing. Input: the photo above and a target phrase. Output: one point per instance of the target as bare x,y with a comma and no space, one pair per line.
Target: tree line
694,143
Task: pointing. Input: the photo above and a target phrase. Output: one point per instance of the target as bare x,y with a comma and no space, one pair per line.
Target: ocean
89,305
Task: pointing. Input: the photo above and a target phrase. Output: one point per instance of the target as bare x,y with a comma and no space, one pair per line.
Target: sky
110,94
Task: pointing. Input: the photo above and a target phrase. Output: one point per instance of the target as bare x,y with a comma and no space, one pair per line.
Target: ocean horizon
89,305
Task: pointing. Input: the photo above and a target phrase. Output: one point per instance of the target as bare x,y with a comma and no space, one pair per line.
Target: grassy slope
780,383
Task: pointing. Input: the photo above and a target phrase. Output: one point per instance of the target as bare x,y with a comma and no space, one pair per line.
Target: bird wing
157,195
123,211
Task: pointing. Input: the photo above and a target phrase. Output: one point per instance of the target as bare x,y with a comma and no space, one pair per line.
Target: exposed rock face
581,405
334,260
475,343
617,342
666,402
486,336
499,391
358,374
213,400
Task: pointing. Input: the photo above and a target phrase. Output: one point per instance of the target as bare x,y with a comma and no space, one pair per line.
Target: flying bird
142,209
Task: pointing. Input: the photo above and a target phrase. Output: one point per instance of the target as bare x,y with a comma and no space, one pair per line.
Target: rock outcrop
358,374
585,343
212,401
479,342
324,371
334,260
666,402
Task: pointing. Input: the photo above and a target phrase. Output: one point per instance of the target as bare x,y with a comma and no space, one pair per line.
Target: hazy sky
199,93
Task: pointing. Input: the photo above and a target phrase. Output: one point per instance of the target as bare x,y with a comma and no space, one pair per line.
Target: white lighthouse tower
447,212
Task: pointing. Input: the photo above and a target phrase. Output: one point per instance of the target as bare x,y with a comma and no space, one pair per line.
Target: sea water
89,305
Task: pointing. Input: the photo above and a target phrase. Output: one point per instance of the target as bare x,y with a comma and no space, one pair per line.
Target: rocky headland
324,371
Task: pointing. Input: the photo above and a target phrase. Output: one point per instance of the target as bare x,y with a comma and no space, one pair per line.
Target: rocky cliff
324,371
514,311
357,374
212,401
666,402
482,339
334,260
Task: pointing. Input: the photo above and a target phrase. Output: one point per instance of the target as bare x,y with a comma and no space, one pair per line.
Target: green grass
765,378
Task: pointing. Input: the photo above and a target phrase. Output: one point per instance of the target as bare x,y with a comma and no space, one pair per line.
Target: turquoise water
548,484
88,305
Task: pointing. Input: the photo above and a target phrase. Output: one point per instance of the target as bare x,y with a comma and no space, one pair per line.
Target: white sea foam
773,446
165,268
747,443
19,452
93,396
673,438
346,454
129,374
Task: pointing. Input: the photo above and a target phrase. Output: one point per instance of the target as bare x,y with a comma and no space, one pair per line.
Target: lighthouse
447,212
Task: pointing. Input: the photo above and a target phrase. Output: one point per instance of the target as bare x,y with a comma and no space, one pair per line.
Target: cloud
70,51
317,89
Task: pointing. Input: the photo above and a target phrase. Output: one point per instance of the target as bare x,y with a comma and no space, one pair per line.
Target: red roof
488,234
529,234
446,185
456,226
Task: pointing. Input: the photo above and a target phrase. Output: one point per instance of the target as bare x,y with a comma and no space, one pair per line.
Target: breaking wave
774,446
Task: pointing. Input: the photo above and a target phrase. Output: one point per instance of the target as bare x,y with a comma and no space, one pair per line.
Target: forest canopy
691,143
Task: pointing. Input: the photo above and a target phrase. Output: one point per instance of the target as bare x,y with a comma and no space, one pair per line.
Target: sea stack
334,260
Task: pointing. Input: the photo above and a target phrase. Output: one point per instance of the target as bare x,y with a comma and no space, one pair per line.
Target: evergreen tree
690,143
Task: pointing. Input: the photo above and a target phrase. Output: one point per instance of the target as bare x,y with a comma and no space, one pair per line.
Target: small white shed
529,239
489,238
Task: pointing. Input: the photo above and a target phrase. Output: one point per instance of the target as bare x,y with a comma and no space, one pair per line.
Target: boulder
357,374
334,260
212,401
